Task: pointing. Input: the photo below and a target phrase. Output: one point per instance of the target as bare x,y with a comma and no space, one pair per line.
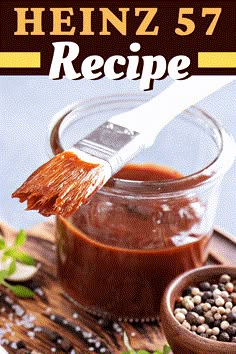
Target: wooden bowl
180,339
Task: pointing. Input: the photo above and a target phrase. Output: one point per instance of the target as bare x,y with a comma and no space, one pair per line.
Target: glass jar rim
217,167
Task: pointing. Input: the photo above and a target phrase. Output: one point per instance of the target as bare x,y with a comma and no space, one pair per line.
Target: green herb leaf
3,275
10,252
20,256
20,238
2,243
20,290
166,349
25,258
12,268
127,344
13,253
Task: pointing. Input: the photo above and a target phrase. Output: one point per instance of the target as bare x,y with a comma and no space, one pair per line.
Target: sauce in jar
116,255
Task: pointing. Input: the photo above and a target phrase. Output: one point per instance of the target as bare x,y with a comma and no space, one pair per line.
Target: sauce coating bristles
61,185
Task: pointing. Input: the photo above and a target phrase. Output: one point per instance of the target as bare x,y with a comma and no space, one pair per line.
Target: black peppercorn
208,309
206,295
198,309
221,286
231,330
211,302
192,318
21,345
224,337
217,323
209,320
214,287
187,291
231,317
178,305
205,286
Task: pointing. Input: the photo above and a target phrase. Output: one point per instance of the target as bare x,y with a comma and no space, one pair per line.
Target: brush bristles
61,185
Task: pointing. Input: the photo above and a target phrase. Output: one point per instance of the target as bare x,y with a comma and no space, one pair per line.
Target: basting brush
68,180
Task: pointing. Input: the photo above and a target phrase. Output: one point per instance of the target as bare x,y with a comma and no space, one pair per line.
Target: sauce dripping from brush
61,185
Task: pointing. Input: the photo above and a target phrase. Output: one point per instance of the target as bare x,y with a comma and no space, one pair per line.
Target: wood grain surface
50,323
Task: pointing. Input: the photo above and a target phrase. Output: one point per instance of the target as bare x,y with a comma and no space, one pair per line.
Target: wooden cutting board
50,323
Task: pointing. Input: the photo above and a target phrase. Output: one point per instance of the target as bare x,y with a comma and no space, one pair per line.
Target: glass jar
148,224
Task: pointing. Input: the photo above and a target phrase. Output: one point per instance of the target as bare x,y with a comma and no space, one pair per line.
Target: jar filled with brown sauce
152,221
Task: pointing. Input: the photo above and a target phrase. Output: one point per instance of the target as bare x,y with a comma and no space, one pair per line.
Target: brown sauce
117,255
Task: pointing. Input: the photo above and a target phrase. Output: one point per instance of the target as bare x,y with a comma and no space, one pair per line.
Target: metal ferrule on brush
112,143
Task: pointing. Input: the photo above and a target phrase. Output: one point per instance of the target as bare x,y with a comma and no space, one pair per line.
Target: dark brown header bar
140,40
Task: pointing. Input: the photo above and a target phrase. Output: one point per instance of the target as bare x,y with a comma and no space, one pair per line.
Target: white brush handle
149,118
2,350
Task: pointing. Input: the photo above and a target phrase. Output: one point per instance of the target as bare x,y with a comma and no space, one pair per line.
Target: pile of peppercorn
209,309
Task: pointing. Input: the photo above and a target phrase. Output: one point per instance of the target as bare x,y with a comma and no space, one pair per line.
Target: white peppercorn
186,325
177,310
219,301
228,305
233,309
206,326
206,307
214,309
221,310
209,309
216,293
225,278
180,317
215,331
184,311
224,294
213,337
195,291
209,331
233,297
208,314
217,316
224,325
201,329
188,304
229,287
197,299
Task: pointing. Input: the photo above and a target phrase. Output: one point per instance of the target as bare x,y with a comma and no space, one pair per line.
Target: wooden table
50,323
